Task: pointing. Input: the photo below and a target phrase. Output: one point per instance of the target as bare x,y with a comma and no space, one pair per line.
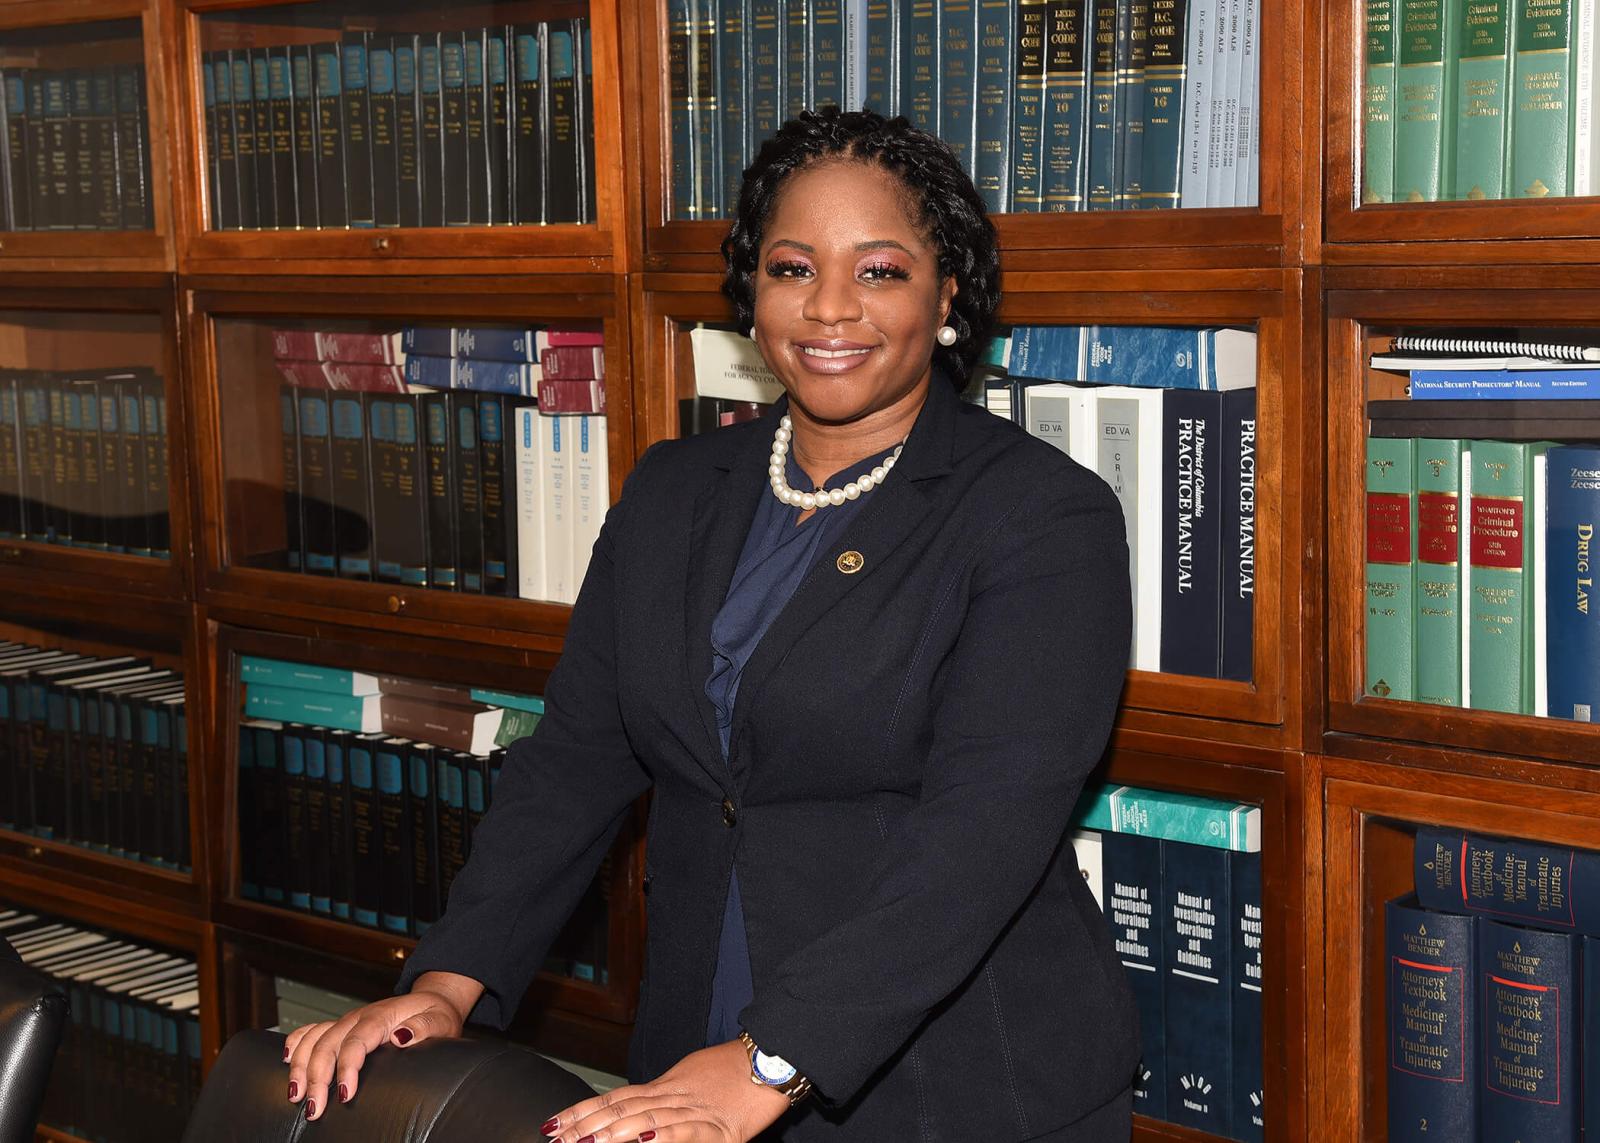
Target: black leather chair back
33,1014
438,1091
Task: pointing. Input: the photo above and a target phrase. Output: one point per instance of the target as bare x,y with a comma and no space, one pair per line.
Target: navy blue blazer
909,742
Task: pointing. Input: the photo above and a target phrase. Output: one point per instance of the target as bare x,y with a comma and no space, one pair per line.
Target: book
1541,100
591,490
359,713
527,129
765,96
1391,521
1132,868
705,113
1529,1024
17,164
573,363
430,131
366,843
351,470
1248,1113
1170,816
106,172
469,492
453,128
267,193
356,102
881,80
281,138
1438,551
1502,561
303,96
1238,527
796,59
333,202
958,77
399,518
1191,554
1132,57
557,447
1161,156
1224,105
449,781
1555,351
466,728
1505,384
1528,420
1105,131
563,155
422,822
1431,966
728,366
383,126
1065,131
920,100
1197,972
1199,69
1591,1060
393,836
498,113
438,435
1128,457
407,131
317,840
496,475
475,79
1545,886
1573,626
297,855
1424,123
1482,113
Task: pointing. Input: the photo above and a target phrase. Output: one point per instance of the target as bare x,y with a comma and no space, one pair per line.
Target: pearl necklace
821,498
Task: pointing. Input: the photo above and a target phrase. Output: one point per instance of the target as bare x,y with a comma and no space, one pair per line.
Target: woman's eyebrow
861,247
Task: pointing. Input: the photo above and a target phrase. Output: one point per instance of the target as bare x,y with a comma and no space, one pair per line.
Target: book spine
1541,99
1431,967
1191,607
527,149
499,540
1238,533
430,131
475,84
1027,127
1225,140
919,74
316,485
1104,128
1132,62
1483,72
333,195
41,153
1133,906
81,147
1198,77
1166,69
1391,520
732,101
366,835
958,77
107,177
1425,74
796,57
497,123
384,130
764,83
706,119
1504,384
563,156
439,448
267,800
297,863
267,193
356,102
8,217
1127,457
1249,1116
590,488
318,856
352,486
991,153
681,107
285,176
1524,882
1436,622
1066,106
303,131
407,132
18,163
529,485
402,521
882,86
469,492
453,78
341,862
556,449
1590,1013
422,820
1500,552
95,507
11,519
449,780
57,119
1247,172
1531,1046
1573,509
394,839
826,49
1196,908
587,175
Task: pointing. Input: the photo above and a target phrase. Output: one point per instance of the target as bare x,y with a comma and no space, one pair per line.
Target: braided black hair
950,213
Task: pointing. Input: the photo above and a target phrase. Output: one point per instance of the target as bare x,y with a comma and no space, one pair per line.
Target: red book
304,374
573,337
573,363
367,348
572,396
365,378
294,345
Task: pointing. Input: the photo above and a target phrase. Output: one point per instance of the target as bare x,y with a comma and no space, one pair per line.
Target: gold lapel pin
851,562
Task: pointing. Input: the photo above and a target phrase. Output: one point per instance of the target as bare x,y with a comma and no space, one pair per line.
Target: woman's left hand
706,1098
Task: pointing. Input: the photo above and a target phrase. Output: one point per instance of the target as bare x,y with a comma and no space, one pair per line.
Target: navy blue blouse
777,556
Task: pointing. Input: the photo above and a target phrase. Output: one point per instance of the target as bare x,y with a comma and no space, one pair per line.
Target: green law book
1187,818
256,670
1500,636
1391,520
514,725
1483,73
534,704
1377,149
1541,99
1437,610
1425,120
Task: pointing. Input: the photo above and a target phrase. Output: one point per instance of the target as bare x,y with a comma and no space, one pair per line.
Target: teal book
1168,816
1161,155
706,137
991,143
680,107
1424,124
1066,105
1541,99
731,101
1391,520
958,77
796,56
1502,569
827,63
919,66
763,90
1436,623
1103,126
318,708
254,669
1133,52
883,57
1483,73
532,703
1027,115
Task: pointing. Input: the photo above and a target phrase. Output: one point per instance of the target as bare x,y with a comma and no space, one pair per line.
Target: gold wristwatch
775,1072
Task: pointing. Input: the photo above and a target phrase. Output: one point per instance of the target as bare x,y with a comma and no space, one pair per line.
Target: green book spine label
1422,127
1378,146
1483,69
1437,548
1500,536
1541,100
1391,522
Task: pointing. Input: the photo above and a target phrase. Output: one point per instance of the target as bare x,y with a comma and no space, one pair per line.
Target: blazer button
729,818
646,885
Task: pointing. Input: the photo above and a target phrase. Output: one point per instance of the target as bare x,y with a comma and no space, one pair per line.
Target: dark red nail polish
647,1136
344,1093
311,1109
402,1036
587,1139
294,1091
550,1125
285,1055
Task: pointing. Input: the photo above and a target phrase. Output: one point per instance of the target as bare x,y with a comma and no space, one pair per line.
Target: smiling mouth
828,354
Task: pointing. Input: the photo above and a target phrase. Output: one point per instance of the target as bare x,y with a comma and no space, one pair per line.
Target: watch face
774,1070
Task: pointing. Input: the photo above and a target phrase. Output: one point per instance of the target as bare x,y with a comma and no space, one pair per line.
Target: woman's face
848,295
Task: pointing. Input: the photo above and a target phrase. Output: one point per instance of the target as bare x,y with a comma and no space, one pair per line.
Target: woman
865,713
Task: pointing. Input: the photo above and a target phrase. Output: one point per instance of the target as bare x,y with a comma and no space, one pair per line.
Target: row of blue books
1493,978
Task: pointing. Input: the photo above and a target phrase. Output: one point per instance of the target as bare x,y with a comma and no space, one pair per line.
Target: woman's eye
787,269
884,271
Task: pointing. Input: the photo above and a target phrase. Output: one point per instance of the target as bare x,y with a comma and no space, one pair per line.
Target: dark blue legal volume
1191,525
1197,950
1431,963
1522,881
1589,1003
1528,982
1132,867
1572,555
1237,496
1249,1114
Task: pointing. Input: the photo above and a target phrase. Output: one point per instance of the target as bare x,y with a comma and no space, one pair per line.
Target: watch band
796,1088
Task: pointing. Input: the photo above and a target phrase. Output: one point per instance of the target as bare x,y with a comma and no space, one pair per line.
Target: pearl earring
946,335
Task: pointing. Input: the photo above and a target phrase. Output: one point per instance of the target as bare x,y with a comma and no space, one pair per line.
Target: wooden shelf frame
604,246
1415,298
107,251
436,300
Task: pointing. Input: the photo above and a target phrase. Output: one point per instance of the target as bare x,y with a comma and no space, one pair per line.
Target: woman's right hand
332,1052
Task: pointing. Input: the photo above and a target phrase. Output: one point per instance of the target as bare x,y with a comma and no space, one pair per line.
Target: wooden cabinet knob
381,243
397,954
35,852
396,605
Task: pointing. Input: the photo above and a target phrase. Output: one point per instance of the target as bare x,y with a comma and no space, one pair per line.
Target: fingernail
402,1036
294,1091
647,1136
587,1139
550,1125
311,1109
285,1054
344,1093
